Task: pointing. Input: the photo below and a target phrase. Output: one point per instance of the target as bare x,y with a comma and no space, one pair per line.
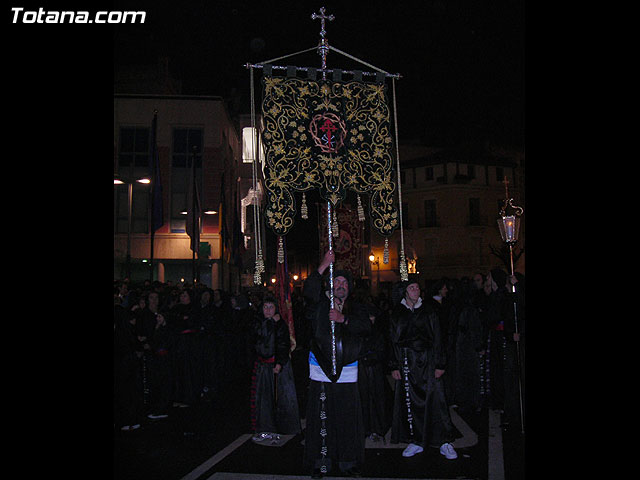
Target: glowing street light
118,180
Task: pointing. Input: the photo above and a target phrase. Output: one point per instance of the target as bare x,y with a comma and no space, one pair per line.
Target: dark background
461,61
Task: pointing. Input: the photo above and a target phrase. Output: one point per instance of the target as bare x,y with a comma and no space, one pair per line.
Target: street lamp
118,180
375,261
509,226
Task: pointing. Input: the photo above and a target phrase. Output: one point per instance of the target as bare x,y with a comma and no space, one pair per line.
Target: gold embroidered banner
333,136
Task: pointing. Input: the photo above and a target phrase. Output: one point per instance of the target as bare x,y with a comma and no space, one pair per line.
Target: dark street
212,440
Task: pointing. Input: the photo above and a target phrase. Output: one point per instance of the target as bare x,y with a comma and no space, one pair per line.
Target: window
184,141
499,174
133,150
133,163
182,154
474,211
476,243
428,173
430,215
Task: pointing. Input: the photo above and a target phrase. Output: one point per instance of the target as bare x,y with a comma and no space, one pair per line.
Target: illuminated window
247,146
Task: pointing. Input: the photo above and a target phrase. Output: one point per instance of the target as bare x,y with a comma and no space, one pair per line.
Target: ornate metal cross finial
324,45
322,18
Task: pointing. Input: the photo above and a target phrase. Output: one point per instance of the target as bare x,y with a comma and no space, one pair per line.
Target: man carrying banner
334,431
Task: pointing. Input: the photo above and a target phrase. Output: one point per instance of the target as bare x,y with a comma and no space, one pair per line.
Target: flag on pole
156,182
283,296
193,210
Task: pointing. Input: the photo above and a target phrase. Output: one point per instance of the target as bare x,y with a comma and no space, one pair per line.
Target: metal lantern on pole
509,226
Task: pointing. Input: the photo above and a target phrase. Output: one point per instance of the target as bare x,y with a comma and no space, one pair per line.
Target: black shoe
316,473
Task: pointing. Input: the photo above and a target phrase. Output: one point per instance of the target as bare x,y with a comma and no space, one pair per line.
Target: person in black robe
222,350
159,370
184,322
440,300
128,387
334,430
503,351
274,403
240,325
375,392
479,301
207,345
469,343
420,411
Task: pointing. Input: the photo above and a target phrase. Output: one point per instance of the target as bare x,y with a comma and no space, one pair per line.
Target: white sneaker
260,437
447,450
411,450
128,428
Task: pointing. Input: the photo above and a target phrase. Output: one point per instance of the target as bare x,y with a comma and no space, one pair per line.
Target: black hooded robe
270,413
415,337
375,392
128,387
184,323
334,414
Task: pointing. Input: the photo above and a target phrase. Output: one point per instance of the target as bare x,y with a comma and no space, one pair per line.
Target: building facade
195,134
451,201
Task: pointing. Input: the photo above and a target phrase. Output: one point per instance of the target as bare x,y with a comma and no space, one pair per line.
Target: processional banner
331,136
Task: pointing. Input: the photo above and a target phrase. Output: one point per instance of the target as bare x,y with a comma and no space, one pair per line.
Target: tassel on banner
280,250
385,257
334,225
260,263
404,272
257,278
303,209
360,210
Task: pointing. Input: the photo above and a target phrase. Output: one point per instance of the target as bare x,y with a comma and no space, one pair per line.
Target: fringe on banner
385,257
360,210
404,273
304,213
280,250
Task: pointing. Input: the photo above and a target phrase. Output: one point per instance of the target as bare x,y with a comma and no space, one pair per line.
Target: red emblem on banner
328,132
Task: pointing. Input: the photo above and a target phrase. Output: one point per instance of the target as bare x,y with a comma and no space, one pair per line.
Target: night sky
461,61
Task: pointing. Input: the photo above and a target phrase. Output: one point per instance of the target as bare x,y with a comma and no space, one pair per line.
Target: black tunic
160,380
417,343
375,392
184,323
340,402
128,387
469,342
270,411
